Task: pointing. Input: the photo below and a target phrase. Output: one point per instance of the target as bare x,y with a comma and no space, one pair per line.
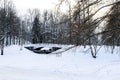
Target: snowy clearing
74,64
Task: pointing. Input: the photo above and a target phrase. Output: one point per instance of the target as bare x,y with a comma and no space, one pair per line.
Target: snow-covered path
74,64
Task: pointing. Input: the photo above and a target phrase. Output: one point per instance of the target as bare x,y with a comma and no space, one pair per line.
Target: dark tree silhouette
36,36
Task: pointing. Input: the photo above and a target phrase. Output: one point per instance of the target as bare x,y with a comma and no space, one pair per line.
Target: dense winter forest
78,26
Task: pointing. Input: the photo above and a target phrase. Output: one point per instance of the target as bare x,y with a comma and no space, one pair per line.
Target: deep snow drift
74,64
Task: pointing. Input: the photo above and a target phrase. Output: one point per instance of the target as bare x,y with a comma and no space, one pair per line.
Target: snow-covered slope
74,64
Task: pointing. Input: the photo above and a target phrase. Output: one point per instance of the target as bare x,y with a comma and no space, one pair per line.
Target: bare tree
9,23
112,37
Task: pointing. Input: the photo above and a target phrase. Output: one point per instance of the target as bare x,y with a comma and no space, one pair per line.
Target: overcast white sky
23,5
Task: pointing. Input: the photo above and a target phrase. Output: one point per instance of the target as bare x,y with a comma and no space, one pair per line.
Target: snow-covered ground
74,64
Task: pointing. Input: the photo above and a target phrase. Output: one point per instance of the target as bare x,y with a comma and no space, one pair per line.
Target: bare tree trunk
2,46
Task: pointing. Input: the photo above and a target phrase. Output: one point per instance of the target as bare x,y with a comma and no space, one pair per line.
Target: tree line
76,27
